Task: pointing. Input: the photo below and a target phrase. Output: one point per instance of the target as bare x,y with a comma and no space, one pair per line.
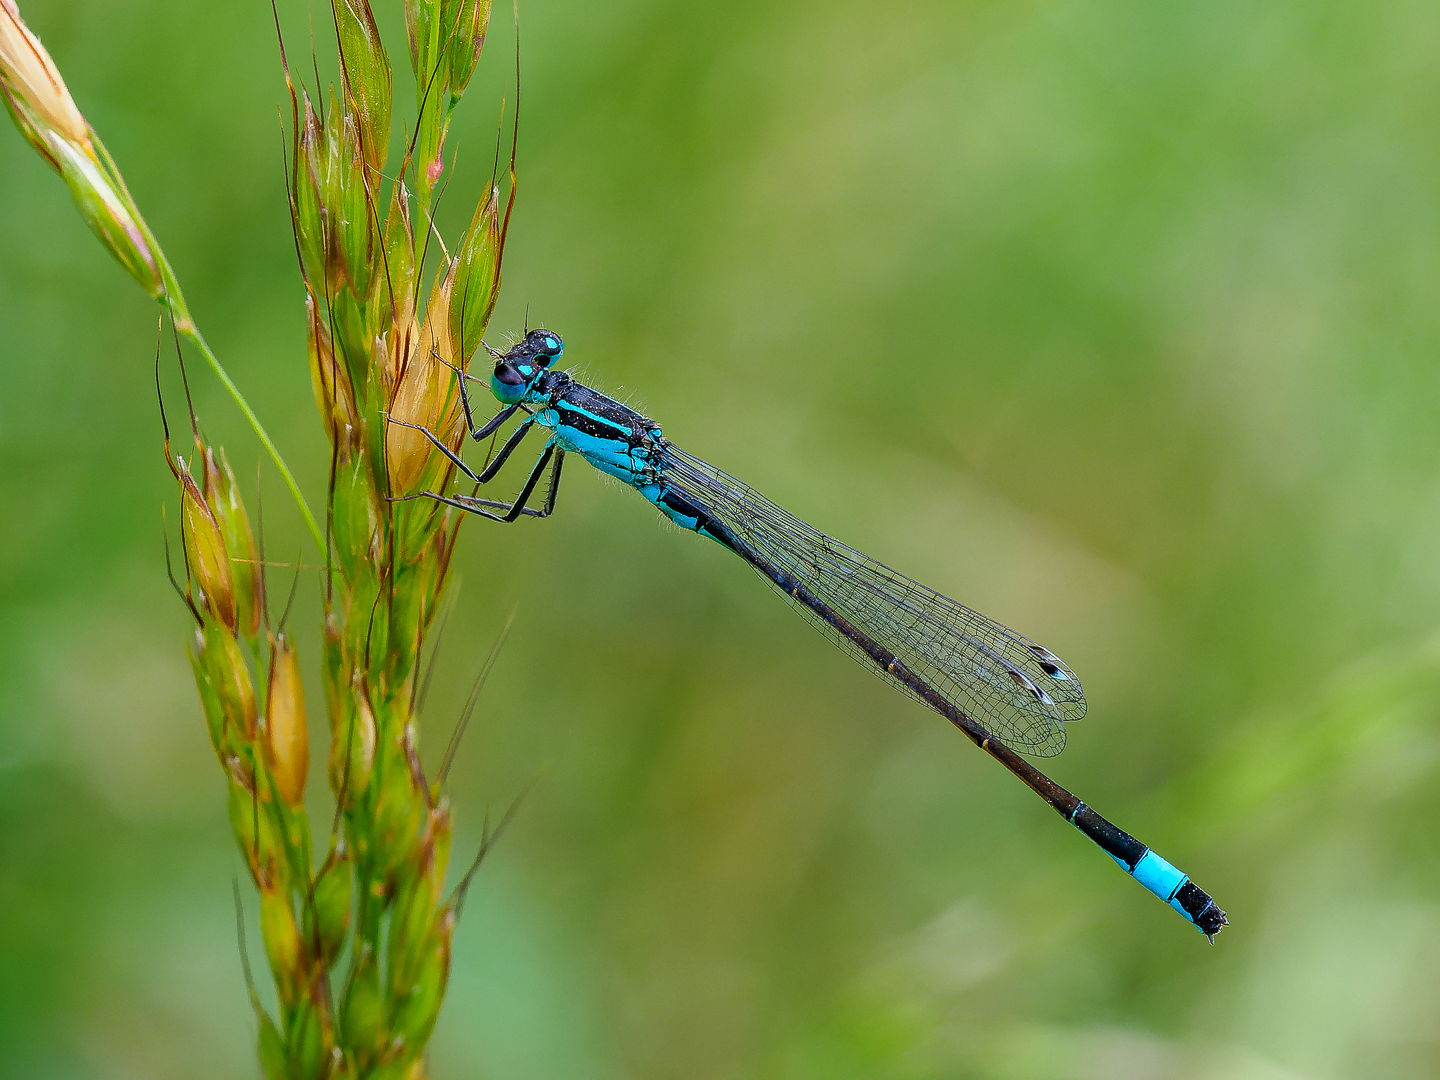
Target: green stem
190,330
174,300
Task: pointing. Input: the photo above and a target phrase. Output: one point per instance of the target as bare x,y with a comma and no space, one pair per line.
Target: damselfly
1008,694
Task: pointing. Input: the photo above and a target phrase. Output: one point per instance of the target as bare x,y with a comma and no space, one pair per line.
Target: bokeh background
1115,320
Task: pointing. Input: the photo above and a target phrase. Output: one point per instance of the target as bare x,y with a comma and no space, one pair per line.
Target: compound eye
547,348
507,374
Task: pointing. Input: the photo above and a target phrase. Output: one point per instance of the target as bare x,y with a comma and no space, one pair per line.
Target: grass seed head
206,557
466,21
352,225
421,23
225,691
220,736
334,670
287,742
376,354
104,210
334,392
427,396
410,928
237,692
283,944
367,76
308,152
30,78
418,1009
356,519
273,1056
41,106
222,494
352,746
476,274
399,805
255,833
311,1038
362,1014
330,905
395,298
436,847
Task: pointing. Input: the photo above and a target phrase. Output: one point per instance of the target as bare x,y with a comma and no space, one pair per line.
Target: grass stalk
357,927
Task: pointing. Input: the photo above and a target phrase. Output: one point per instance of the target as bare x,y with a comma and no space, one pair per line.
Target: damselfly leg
491,425
485,507
512,511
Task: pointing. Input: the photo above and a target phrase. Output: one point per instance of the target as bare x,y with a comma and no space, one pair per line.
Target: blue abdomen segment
607,446
1160,878
614,456
1150,870
623,444
685,513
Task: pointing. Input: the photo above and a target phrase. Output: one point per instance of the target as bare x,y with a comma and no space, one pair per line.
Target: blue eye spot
526,370
552,343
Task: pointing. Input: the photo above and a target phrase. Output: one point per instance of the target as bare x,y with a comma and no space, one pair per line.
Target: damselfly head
517,369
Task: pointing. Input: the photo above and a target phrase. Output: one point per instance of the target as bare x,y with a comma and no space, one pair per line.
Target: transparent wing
1018,691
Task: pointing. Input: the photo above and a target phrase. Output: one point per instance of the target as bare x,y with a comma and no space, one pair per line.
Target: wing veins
952,646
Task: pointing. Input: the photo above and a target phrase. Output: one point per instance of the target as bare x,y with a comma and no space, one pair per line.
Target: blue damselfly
1005,692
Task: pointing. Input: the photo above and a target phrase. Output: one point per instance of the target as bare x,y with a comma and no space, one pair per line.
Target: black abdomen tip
1204,911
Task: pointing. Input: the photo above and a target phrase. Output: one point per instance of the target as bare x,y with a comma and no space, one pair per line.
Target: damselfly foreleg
485,475
490,426
512,511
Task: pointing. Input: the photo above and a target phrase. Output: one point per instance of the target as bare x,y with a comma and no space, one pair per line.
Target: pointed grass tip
31,79
41,106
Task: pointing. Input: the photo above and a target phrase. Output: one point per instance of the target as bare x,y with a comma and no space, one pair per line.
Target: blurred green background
1115,320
